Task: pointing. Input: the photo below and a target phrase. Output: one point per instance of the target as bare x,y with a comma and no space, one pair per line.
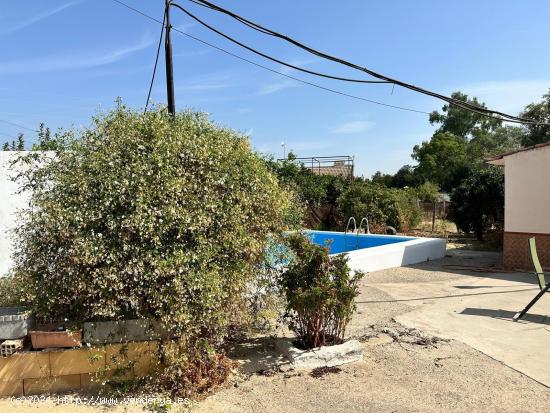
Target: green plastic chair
544,286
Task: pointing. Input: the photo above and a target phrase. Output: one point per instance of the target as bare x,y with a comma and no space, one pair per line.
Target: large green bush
477,203
145,216
320,292
410,213
375,202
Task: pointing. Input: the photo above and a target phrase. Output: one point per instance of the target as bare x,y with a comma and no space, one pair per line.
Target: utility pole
169,67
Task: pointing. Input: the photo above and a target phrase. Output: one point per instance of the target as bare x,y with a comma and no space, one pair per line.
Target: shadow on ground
506,315
256,355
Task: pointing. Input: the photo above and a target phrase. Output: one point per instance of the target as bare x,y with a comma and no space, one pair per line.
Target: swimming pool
372,252
339,242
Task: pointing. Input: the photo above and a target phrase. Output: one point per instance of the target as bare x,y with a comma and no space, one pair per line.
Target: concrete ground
475,308
437,337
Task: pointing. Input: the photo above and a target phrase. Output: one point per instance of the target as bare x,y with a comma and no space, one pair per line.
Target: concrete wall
527,191
10,202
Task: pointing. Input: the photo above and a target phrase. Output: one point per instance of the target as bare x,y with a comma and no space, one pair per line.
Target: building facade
526,204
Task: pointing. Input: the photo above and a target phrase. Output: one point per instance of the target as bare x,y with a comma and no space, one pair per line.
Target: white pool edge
414,251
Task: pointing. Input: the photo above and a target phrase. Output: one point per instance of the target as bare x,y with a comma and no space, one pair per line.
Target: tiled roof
494,160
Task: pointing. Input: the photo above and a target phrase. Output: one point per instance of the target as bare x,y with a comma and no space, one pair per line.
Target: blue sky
62,61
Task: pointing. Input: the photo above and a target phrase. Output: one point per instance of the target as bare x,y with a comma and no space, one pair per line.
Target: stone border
329,356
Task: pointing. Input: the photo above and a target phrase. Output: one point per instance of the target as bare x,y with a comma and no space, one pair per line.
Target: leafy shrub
313,189
12,291
477,203
145,216
427,192
410,213
320,292
364,199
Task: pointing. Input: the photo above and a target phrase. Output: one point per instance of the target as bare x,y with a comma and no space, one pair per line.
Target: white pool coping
417,249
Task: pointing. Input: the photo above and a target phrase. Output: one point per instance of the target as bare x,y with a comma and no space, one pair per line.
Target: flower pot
53,336
14,322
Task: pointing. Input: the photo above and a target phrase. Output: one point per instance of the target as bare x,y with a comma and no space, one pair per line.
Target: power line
301,69
7,135
311,72
244,59
17,125
156,63
450,100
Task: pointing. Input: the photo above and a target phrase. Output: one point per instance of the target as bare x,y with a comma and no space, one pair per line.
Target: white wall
527,191
10,202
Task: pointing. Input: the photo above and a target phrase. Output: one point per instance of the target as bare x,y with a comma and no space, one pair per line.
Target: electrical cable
244,59
156,62
17,125
450,100
273,59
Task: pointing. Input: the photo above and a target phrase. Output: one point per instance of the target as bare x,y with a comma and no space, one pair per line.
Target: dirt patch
404,370
323,371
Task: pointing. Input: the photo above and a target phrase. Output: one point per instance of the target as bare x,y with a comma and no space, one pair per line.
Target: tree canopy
539,112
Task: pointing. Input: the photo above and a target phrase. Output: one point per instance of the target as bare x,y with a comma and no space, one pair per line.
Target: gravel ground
403,370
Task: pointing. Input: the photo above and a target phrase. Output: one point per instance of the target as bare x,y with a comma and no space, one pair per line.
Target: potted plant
55,335
320,290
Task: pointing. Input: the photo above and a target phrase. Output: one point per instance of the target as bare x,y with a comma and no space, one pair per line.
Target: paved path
475,308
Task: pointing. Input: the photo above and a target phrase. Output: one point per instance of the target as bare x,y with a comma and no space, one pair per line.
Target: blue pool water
340,242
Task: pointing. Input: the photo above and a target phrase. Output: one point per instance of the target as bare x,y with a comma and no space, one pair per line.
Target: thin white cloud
276,87
38,17
71,62
507,96
353,127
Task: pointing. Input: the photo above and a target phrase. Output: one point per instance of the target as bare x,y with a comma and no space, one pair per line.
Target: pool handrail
347,230
367,229
354,225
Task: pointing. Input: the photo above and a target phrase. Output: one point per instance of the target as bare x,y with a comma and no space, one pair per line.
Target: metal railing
342,165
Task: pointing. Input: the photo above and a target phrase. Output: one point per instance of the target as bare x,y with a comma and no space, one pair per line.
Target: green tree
6,146
149,216
461,122
539,112
440,158
382,179
478,202
501,139
20,142
47,142
427,192
406,176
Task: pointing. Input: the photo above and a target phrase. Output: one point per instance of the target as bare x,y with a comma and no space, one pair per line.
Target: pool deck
473,307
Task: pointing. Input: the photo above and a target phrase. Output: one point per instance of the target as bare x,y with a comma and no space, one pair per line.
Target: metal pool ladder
353,232
367,230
